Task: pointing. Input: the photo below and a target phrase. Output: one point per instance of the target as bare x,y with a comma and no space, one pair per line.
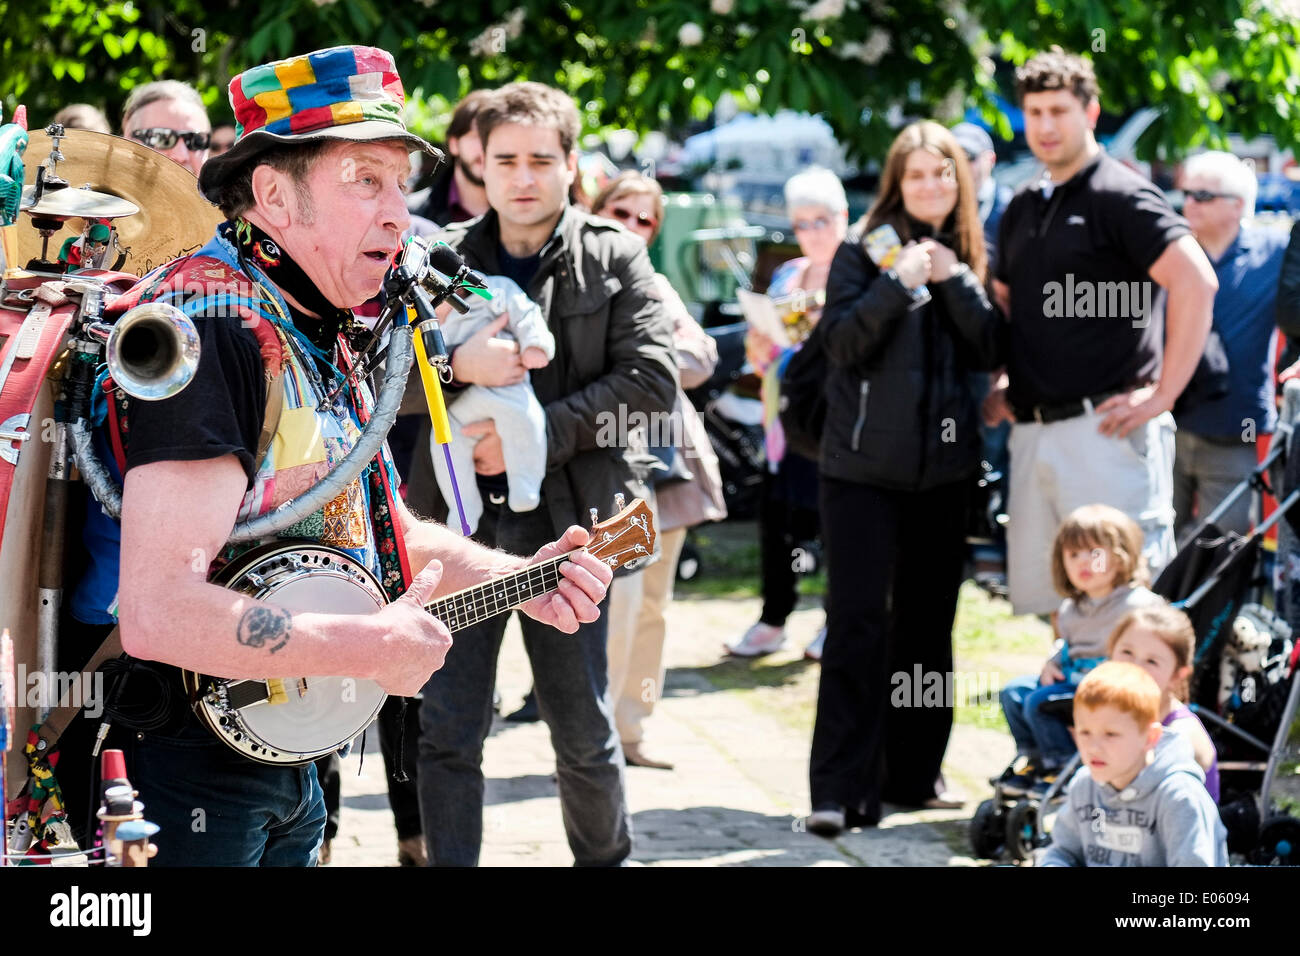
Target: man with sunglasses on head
1220,416
1093,369
168,116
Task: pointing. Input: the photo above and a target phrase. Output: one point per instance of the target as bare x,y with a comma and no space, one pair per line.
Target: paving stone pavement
736,797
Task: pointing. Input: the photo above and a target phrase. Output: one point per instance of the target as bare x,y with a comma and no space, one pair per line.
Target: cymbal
173,219
76,202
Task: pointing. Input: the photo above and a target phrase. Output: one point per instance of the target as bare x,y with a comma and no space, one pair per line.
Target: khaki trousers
636,637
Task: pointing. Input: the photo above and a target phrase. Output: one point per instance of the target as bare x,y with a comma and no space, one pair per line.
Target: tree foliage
1216,66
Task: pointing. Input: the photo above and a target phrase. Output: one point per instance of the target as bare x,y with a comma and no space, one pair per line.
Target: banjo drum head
322,713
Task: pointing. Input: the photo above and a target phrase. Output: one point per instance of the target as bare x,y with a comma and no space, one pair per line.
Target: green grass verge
990,644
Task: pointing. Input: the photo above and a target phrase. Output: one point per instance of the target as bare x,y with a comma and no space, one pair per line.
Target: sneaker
1041,784
1017,778
813,652
410,852
758,640
828,821
1033,779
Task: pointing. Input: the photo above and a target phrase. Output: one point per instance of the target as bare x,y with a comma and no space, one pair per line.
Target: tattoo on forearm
262,626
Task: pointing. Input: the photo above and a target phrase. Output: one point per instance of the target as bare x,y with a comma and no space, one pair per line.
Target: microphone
448,261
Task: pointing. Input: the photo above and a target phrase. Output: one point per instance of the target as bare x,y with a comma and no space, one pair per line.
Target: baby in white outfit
514,409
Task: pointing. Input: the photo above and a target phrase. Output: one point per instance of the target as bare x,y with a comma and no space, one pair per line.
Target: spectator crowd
1117,361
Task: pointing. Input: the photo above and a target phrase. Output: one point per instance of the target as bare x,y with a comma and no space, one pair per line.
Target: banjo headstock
626,538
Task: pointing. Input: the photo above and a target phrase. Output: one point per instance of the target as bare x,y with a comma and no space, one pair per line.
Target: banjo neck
627,537
473,605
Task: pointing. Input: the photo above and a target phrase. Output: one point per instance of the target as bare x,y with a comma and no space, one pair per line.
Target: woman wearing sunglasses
899,455
819,215
690,492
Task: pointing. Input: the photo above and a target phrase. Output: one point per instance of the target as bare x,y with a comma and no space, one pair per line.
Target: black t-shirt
520,270
219,413
1076,262
222,409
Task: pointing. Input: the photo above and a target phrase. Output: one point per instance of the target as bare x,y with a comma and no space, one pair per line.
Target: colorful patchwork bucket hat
345,92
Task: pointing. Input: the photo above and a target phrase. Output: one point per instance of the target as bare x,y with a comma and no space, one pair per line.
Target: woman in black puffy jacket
899,455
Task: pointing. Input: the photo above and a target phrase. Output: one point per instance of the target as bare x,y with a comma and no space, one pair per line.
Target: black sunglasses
1204,195
161,138
626,215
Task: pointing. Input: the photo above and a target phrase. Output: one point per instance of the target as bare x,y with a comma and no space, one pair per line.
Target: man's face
1220,215
174,115
1057,125
222,139
347,239
467,153
1112,744
981,167
527,174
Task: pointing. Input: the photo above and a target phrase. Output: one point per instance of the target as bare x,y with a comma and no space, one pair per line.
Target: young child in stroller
1160,640
1097,566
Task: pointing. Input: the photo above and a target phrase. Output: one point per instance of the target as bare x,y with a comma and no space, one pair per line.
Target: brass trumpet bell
153,351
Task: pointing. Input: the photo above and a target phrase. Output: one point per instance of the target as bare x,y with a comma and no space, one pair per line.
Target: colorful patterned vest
308,442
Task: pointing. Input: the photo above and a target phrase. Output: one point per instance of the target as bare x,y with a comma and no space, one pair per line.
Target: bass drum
34,340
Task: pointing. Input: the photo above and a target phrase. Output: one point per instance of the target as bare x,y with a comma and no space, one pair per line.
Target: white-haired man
168,116
1220,416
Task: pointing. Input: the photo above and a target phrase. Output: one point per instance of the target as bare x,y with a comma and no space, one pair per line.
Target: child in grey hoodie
1133,803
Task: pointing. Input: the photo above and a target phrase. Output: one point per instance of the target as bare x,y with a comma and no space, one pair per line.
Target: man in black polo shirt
1092,369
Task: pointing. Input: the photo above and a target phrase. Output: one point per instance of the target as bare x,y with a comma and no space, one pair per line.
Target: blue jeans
1038,734
571,680
216,807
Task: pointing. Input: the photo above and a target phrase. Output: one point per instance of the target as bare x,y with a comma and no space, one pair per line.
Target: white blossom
878,44
690,34
952,105
722,7
824,10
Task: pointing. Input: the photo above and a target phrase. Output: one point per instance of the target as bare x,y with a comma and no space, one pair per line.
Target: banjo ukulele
286,720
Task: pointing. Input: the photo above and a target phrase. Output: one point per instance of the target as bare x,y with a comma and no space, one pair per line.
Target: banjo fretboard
478,603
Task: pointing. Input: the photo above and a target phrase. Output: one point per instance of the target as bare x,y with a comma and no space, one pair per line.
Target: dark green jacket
614,357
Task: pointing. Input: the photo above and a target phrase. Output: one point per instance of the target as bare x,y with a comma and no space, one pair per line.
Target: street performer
312,195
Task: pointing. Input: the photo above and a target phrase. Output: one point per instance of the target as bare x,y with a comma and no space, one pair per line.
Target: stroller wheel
1279,842
987,830
1022,830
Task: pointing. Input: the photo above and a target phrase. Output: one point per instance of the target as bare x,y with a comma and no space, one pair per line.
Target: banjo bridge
241,694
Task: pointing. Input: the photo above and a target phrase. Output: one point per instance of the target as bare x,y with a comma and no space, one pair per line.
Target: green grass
990,644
